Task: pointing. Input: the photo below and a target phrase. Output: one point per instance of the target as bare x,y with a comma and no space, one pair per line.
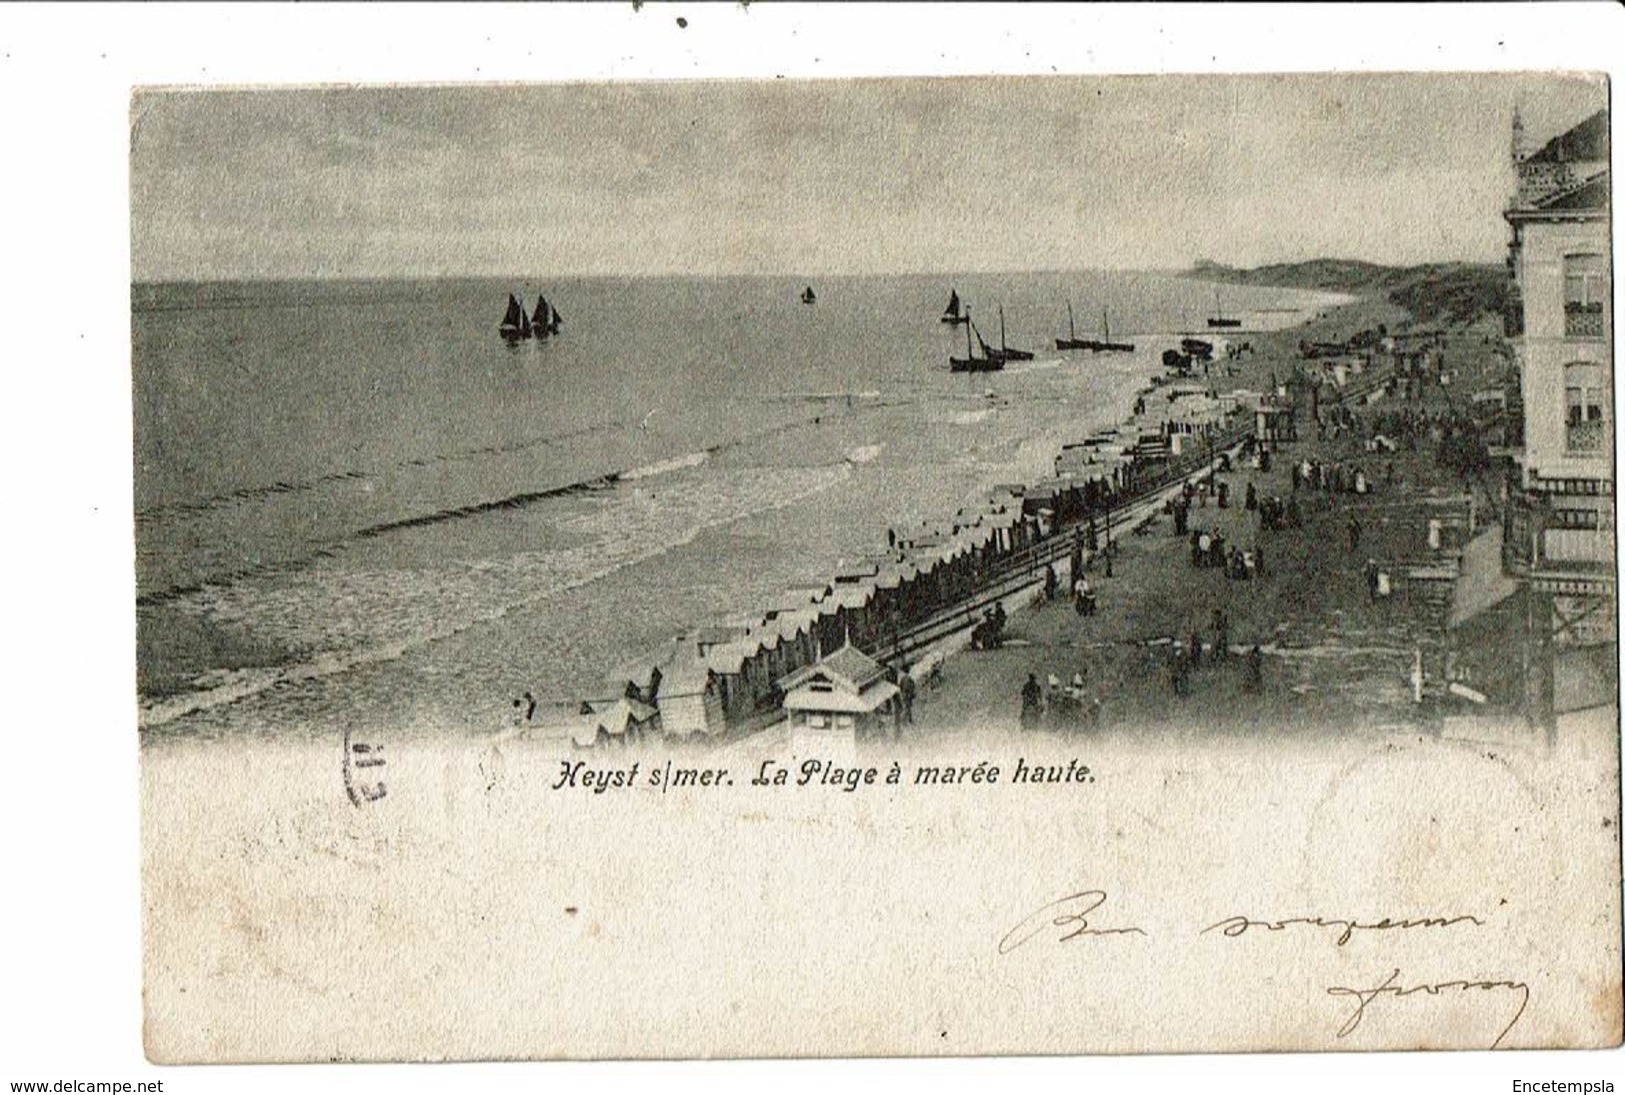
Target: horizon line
1195,267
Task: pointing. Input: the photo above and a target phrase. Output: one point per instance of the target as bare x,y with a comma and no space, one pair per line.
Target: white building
834,701
1559,531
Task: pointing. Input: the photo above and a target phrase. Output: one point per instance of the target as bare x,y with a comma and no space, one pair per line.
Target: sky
830,177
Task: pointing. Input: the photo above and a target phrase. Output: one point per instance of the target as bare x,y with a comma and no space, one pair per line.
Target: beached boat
808,296
515,325
1004,352
1195,347
952,315
1182,364
970,363
1220,320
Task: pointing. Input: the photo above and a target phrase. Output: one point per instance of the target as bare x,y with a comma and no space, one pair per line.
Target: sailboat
970,363
515,325
951,315
1072,341
1220,320
808,296
547,319
1106,344
1004,352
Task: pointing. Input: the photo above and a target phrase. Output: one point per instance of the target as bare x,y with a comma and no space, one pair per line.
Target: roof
855,596
795,621
805,594
854,665
729,658
807,698
1483,583
613,719
1586,141
1589,195
848,666
712,636
686,676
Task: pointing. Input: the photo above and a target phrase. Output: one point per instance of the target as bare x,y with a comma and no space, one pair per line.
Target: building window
1585,289
1583,403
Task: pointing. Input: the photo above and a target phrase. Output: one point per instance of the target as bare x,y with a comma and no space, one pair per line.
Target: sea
358,508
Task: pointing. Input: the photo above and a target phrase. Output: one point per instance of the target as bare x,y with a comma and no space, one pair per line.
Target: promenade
1328,652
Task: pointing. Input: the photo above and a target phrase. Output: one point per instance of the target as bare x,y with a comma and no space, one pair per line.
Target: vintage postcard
1015,565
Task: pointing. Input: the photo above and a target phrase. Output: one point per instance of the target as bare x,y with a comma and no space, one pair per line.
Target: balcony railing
1584,320
1534,540
1587,437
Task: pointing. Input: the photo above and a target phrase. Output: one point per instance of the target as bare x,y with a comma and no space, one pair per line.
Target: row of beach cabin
739,673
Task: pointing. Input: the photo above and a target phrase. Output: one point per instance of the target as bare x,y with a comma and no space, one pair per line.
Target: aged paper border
72,728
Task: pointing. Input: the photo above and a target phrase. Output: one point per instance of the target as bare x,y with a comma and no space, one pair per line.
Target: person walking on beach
908,689
1032,702
1051,583
1354,534
1255,669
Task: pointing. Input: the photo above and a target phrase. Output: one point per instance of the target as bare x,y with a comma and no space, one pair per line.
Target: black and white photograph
711,561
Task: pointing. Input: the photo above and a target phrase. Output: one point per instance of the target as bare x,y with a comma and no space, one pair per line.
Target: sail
524,324
515,315
541,319
554,319
953,304
986,350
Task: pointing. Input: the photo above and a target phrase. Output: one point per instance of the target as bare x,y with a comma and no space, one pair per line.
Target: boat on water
1220,320
515,325
547,319
952,315
1072,341
1104,344
1004,352
970,363
808,296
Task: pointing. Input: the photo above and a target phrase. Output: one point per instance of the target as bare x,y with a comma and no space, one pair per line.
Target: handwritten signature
1390,988
1238,925
1069,917
1070,913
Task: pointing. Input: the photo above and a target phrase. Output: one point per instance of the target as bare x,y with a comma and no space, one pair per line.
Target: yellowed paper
1236,671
